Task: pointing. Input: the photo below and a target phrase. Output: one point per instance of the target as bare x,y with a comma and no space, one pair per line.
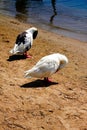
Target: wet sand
30,104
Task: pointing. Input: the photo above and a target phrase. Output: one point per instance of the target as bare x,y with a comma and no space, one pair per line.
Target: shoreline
55,29
28,103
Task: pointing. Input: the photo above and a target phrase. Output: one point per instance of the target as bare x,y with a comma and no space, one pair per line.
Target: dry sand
29,104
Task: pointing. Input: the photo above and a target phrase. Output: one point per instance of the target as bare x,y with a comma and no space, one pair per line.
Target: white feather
47,66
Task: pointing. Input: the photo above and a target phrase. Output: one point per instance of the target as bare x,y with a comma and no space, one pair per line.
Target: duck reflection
21,8
53,2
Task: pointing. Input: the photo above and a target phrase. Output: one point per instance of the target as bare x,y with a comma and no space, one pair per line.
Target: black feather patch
21,38
35,34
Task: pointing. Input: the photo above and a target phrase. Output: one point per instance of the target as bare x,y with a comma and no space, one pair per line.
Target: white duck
47,66
24,42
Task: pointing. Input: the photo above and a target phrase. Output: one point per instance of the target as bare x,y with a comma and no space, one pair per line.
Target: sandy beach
30,104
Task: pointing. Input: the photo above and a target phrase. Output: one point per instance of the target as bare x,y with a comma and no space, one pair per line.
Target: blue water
65,17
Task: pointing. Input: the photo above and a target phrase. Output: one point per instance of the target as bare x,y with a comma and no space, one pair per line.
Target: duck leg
27,56
47,80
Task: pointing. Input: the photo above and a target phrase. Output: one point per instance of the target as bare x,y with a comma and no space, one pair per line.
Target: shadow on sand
37,84
16,57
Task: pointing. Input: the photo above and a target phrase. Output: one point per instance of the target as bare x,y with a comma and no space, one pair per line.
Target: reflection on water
21,8
54,10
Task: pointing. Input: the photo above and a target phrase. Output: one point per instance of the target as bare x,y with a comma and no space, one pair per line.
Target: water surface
65,17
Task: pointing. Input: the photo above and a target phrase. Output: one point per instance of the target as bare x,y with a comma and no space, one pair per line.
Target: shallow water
65,17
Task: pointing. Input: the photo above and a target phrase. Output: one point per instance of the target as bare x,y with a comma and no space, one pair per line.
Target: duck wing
43,68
